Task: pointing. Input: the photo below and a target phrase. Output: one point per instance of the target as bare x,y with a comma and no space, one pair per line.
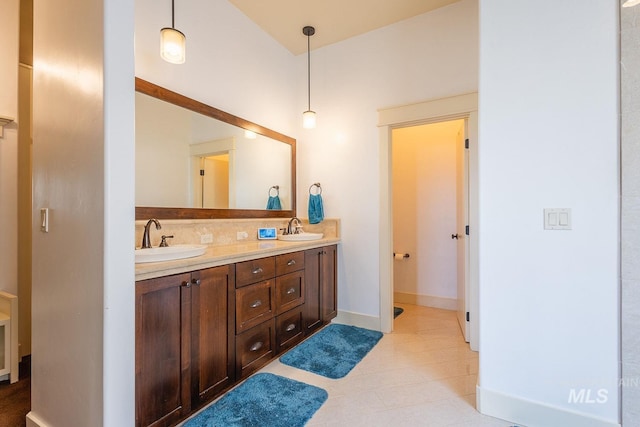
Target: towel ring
275,187
318,191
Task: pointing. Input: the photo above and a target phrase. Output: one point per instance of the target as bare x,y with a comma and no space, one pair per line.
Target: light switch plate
557,219
44,220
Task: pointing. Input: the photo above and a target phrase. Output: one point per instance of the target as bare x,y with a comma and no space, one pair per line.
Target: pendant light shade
173,43
309,117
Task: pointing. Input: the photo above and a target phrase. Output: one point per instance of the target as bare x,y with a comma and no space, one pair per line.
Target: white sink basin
169,253
300,237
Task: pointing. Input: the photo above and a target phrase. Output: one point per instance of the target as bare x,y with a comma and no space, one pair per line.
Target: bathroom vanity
205,323
209,323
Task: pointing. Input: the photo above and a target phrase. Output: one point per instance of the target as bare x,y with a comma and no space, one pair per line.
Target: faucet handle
163,242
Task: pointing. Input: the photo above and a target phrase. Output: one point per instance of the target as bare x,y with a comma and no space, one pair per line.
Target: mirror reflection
185,159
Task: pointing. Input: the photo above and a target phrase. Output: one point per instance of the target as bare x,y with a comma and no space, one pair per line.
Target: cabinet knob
255,347
291,291
256,303
290,327
258,270
186,284
291,262
195,281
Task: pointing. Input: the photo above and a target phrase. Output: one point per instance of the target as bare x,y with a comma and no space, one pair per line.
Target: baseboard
533,414
33,421
426,300
358,319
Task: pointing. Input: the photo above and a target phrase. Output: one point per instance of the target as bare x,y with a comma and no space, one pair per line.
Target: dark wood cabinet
163,314
184,346
199,333
255,348
212,323
320,287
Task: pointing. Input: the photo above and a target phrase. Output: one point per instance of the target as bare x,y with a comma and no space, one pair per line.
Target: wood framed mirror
177,136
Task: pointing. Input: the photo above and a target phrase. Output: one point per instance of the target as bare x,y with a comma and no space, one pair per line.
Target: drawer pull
256,303
255,347
291,291
290,327
292,262
258,270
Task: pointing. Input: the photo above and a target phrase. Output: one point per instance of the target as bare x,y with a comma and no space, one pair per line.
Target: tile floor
422,374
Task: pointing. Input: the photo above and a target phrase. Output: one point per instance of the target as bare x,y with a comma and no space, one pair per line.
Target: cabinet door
328,296
163,314
311,314
254,271
212,343
254,305
288,263
255,348
289,291
289,330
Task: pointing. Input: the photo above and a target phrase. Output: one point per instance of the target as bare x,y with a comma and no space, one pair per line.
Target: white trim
531,413
9,306
442,109
426,300
33,421
358,319
456,107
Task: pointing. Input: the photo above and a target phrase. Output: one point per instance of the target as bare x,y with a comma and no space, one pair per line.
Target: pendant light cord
173,25
309,71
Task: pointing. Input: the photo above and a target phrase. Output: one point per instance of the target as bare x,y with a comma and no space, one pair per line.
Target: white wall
630,206
83,268
231,63
424,214
427,57
548,138
9,33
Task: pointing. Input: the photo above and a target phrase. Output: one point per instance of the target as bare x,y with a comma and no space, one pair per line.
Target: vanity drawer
254,271
254,348
289,291
287,263
254,304
289,329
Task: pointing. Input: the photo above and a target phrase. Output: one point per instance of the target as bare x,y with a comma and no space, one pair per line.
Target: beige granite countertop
227,254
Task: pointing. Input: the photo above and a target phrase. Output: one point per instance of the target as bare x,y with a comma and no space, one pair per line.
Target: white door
462,222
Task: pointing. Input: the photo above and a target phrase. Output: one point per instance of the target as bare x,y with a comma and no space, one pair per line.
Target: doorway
462,107
428,174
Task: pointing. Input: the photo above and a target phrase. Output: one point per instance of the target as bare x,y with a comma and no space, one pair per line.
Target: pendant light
630,3
309,117
172,42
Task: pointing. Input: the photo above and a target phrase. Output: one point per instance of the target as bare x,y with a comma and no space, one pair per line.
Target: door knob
455,236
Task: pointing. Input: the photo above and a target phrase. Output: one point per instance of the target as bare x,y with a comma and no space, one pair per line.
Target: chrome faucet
296,228
146,242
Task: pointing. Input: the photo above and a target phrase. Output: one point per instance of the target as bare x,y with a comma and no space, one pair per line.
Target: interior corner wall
9,32
69,291
630,235
548,138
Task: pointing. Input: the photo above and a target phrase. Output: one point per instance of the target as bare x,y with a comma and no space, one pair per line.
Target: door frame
456,107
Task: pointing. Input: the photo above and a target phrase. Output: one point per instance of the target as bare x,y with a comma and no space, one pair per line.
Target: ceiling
334,20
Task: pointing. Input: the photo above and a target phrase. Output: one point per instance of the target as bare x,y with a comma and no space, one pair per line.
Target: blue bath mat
333,351
263,399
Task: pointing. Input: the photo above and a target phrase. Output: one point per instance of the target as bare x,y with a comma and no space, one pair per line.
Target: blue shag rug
263,399
334,351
